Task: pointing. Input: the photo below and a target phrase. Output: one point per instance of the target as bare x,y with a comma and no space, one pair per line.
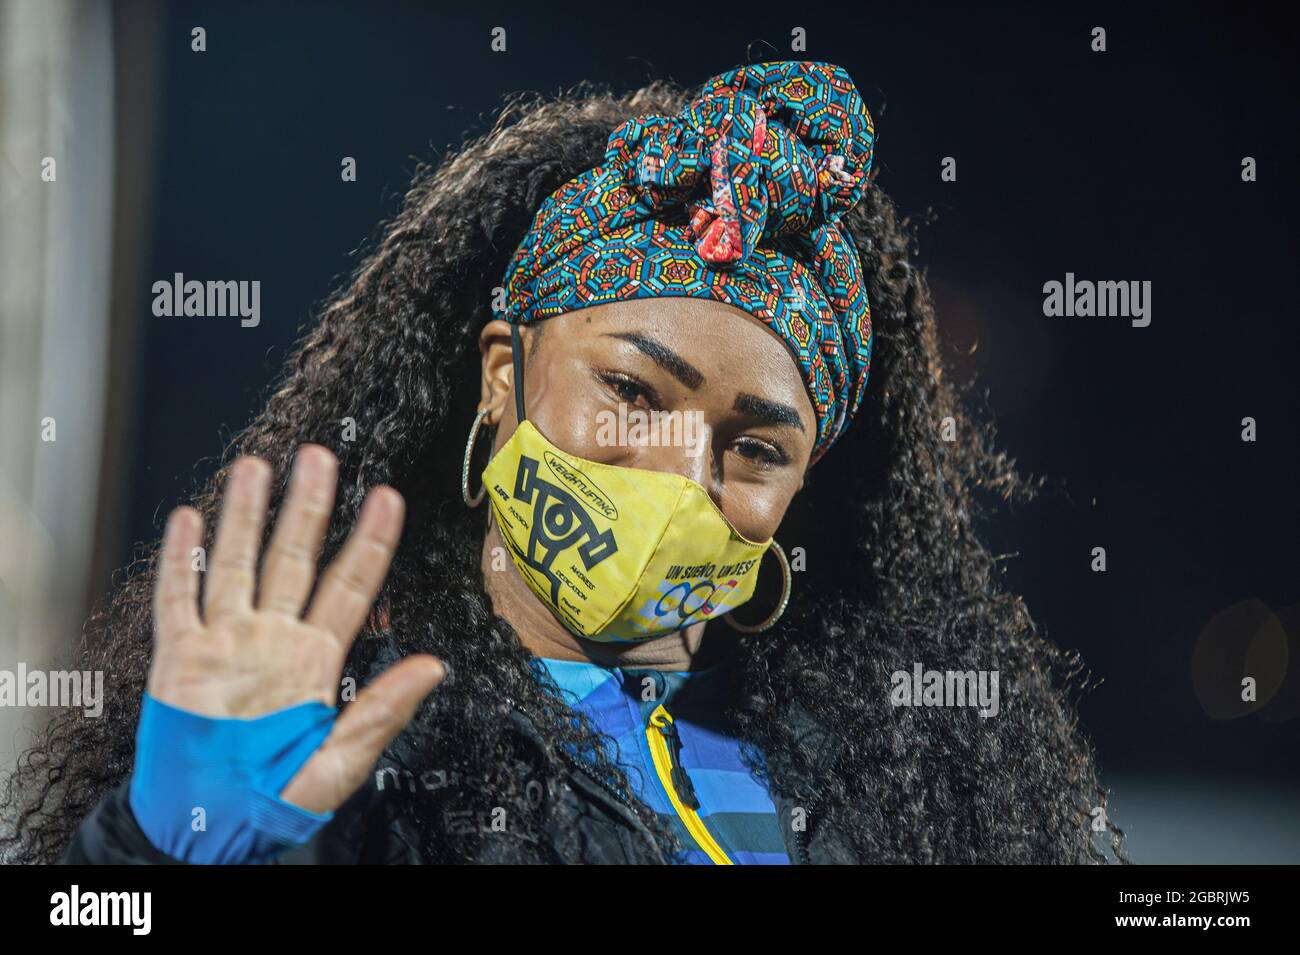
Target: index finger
351,582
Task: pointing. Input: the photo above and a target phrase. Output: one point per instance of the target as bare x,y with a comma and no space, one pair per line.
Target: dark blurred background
1123,165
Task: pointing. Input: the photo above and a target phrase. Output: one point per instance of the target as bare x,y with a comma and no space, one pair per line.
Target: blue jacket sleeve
207,789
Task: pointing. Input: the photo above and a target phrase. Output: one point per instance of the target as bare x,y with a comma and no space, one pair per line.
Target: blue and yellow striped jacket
670,741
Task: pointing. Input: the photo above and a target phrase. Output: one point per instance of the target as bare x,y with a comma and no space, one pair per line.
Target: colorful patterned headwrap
737,199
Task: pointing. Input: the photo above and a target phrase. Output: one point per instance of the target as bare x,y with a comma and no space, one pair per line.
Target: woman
705,260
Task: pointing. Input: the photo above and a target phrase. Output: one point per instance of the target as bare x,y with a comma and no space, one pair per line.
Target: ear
497,389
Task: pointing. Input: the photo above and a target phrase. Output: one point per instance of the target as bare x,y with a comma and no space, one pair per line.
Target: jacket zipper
665,744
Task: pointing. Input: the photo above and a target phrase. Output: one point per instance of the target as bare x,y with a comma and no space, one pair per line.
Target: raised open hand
253,650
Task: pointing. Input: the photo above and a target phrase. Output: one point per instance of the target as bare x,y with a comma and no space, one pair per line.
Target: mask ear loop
516,359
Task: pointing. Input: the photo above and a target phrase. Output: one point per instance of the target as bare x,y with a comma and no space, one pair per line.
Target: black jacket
372,828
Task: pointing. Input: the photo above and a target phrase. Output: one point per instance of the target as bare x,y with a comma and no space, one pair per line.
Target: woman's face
745,429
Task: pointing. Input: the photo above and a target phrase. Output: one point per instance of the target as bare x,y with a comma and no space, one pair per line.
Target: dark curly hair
895,573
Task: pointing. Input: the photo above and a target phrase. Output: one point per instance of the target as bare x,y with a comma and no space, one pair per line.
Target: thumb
340,766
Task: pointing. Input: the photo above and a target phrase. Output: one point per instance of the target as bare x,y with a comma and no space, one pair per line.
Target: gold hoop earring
775,615
477,499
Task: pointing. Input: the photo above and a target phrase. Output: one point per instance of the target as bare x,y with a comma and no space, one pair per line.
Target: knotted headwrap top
737,199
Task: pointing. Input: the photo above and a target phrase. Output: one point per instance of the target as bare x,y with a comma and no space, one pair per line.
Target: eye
762,454
631,390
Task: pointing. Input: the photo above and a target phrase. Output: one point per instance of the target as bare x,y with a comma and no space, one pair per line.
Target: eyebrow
766,410
664,357
769,412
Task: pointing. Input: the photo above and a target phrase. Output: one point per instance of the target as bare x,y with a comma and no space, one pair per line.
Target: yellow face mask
619,554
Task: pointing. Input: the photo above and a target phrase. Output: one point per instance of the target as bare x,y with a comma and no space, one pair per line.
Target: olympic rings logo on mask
707,605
